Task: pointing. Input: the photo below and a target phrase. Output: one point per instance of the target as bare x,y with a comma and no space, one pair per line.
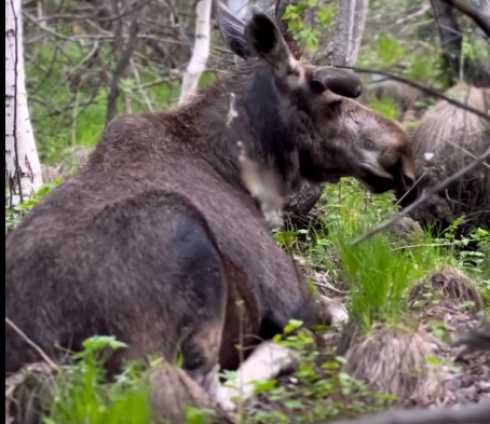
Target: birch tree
200,53
350,28
22,166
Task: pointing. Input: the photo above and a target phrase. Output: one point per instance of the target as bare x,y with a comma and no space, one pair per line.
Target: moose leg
201,353
266,362
203,285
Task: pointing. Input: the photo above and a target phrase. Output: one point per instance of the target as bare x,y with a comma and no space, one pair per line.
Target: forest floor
408,295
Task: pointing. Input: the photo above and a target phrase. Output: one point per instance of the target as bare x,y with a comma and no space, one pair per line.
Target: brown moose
156,238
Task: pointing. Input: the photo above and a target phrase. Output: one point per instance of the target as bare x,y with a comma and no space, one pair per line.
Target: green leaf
97,343
293,325
389,50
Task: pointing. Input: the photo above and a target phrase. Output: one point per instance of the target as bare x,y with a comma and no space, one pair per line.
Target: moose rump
144,267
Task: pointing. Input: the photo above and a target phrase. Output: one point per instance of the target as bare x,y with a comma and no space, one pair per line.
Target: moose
156,238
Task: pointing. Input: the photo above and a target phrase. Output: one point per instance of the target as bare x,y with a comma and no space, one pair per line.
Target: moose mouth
377,184
334,178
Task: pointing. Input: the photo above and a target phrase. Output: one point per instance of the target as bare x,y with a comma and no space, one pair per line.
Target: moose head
308,114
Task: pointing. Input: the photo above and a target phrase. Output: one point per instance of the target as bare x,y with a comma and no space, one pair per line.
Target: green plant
379,271
308,37
13,216
386,106
82,395
317,379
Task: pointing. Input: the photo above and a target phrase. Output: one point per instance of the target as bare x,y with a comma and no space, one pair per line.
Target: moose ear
232,30
266,41
339,81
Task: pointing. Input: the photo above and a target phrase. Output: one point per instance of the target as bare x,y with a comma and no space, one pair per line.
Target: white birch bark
21,155
200,53
350,28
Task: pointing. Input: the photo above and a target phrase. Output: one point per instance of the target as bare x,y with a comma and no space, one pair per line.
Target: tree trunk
482,77
350,28
22,166
476,72
451,39
200,54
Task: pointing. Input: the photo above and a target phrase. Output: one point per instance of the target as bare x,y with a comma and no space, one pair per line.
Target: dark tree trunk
450,37
475,72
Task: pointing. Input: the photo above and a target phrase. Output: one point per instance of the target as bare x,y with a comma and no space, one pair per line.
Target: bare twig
431,91
423,198
466,414
43,355
121,66
472,13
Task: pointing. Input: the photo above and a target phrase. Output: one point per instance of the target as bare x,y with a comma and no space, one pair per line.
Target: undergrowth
83,395
376,275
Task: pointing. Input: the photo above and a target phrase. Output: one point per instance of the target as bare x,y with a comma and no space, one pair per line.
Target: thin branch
466,414
422,198
472,13
431,91
121,66
24,337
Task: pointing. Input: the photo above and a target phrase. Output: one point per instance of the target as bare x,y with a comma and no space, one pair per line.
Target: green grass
386,106
83,396
378,272
67,113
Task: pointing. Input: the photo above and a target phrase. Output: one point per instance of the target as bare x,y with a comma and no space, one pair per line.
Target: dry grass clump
475,340
25,392
172,390
29,392
395,361
406,228
447,139
446,288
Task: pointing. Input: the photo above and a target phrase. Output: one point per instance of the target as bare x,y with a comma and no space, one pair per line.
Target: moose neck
263,123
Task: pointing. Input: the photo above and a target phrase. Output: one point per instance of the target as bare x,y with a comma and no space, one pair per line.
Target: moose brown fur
156,238
446,140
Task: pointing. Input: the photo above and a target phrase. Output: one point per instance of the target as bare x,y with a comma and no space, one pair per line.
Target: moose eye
409,181
317,86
